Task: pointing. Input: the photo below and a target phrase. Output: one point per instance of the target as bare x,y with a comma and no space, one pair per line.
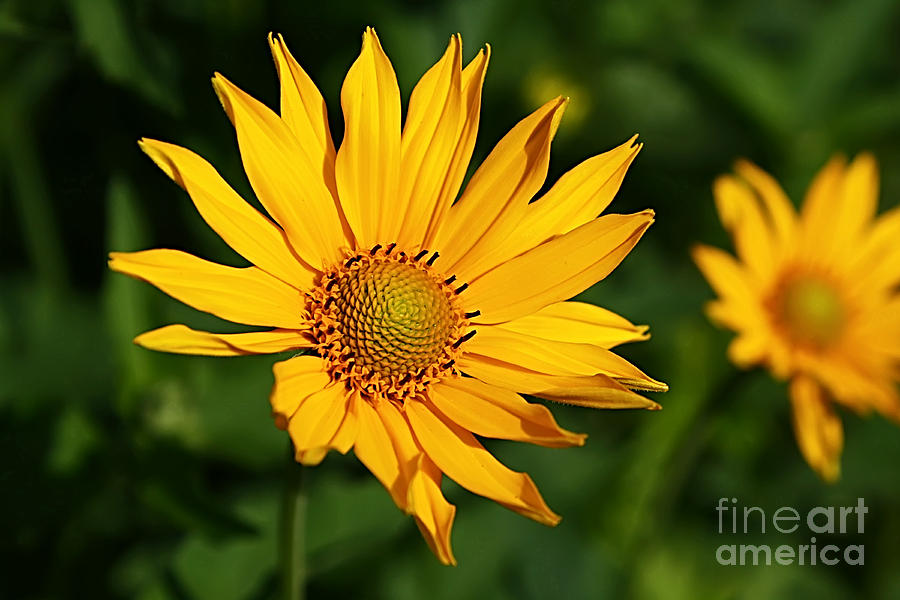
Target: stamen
473,314
450,279
350,261
420,255
374,249
433,258
390,249
465,338
462,288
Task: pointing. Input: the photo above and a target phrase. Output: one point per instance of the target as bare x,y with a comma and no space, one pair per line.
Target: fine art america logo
820,520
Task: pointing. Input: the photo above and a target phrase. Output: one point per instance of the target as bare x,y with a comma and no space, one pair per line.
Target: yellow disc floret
386,322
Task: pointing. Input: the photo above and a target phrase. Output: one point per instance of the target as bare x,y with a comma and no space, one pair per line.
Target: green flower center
812,311
386,323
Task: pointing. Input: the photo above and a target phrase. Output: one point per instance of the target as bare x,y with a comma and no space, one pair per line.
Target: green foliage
127,474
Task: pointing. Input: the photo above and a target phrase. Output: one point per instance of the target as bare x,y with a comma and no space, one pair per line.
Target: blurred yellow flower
812,296
370,267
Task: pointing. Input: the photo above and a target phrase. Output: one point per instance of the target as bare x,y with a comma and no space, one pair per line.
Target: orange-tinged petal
576,198
472,82
290,187
433,514
304,111
179,339
490,411
295,379
457,453
416,483
430,140
243,295
496,197
316,421
580,323
593,391
344,438
368,161
555,270
819,432
375,449
242,227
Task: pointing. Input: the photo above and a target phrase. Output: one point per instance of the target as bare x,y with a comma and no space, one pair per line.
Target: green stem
293,538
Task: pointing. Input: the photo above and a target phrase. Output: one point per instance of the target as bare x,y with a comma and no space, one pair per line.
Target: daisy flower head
812,295
419,317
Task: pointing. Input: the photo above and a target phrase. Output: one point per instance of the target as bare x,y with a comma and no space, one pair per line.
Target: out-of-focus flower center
811,310
386,322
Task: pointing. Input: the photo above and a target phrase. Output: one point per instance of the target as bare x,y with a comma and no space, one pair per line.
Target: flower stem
293,538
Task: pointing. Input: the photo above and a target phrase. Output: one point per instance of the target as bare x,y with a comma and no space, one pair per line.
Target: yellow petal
819,432
344,438
242,295
290,187
496,197
472,82
576,198
304,111
727,277
430,140
368,161
781,212
415,485
748,349
580,323
878,263
740,214
490,411
552,357
316,421
594,391
433,514
375,449
405,447
242,227
295,379
179,339
821,210
859,199
555,270
457,453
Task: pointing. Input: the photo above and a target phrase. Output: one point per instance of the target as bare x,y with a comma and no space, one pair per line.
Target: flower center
386,323
811,311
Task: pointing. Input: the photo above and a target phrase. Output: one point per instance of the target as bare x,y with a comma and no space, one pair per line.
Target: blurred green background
128,474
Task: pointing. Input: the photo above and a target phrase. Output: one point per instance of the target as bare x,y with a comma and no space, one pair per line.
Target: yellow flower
369,266
812,296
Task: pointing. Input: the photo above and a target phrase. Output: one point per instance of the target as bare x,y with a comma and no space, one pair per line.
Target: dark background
129,474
